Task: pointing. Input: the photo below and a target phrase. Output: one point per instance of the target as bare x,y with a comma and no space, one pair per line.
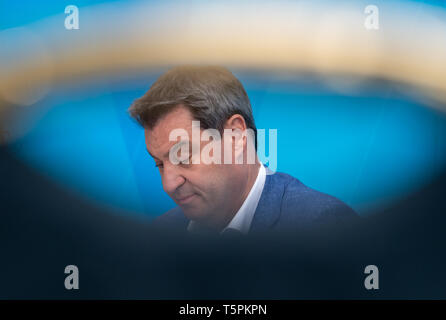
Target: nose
172,178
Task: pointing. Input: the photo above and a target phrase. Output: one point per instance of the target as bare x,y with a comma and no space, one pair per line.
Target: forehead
157,138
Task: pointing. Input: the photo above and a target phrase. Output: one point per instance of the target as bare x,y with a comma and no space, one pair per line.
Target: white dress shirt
243,218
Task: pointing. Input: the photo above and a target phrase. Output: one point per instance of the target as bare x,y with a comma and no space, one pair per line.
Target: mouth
186,199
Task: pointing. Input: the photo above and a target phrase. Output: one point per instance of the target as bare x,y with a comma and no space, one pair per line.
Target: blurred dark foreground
44,228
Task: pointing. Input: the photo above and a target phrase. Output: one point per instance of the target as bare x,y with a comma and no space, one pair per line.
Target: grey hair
212,94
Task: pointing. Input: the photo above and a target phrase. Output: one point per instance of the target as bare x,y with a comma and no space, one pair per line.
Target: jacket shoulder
306,207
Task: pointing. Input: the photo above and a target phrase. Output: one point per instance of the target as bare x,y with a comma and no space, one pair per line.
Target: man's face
203,191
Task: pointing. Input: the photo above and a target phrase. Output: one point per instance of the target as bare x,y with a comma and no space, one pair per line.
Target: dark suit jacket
286,204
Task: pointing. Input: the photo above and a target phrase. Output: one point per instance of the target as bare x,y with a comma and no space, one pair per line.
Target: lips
186,199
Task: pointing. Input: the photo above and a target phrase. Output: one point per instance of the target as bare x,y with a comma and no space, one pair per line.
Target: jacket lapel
268,208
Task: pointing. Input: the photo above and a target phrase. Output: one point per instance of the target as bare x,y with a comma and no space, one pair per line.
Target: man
221,196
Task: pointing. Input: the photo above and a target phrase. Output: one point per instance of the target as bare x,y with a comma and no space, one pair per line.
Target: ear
236,123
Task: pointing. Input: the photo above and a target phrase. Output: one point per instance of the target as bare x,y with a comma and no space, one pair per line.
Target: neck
248,178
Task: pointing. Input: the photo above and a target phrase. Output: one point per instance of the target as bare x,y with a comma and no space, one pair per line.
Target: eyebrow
166,155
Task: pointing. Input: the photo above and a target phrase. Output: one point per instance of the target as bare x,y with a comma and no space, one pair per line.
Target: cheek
207,180
218,183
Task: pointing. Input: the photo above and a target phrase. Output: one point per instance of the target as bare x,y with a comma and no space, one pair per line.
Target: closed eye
159,165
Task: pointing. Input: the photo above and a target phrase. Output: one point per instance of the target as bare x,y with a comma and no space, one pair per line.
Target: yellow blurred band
322,37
